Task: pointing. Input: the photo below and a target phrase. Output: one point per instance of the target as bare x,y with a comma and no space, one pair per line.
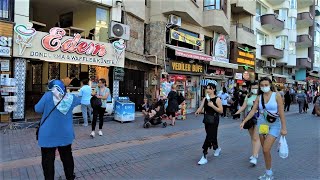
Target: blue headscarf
59,90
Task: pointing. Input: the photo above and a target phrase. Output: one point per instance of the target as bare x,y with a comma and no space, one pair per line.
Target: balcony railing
240,25
271,22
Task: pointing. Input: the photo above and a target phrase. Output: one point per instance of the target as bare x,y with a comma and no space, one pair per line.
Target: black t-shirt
209,110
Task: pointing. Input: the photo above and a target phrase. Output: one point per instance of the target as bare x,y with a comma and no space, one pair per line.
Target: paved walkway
128,151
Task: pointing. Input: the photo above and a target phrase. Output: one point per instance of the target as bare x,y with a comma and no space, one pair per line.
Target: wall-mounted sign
193,56
5,65
238,76
186,67
5,46
118,74
55,46
220,46
246,56
180,36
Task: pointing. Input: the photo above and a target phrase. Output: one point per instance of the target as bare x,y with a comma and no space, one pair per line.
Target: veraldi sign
192,55
56,46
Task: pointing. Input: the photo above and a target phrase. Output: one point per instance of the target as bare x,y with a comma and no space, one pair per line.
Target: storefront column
115,89
20,66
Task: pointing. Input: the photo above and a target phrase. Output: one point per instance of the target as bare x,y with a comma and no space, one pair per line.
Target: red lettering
90,49
52,41
70,45
82,47
99,50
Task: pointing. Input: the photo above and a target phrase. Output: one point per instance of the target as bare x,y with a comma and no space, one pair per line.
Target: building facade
285,37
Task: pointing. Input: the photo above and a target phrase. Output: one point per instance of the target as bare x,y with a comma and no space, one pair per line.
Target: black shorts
173,114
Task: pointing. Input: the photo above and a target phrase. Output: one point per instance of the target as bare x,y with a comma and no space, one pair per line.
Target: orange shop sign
186,67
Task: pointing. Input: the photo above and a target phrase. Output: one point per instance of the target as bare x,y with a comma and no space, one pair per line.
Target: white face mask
254,91
265,89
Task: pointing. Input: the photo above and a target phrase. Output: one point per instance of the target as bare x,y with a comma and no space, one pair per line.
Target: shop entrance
133,86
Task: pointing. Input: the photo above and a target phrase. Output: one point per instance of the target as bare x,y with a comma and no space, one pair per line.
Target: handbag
40,124
95,102
270,117
211,119
250,123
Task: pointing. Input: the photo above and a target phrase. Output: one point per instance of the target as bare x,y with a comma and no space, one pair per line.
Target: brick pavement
128,151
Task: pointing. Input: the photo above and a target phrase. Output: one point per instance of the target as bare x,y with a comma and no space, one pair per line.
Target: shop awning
301,82
224,64
190,53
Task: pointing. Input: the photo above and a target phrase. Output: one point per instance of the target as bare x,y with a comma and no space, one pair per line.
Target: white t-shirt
224,98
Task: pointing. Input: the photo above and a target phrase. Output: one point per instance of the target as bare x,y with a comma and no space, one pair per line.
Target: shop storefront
186,77
40,57
279,80
6,36
245,58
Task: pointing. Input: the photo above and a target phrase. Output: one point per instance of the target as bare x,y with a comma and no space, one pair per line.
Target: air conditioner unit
174,20
273,63
267,64
119,31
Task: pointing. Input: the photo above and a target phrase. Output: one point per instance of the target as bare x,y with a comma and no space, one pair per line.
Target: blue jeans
85,110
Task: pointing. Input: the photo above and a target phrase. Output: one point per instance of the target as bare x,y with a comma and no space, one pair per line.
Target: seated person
145,106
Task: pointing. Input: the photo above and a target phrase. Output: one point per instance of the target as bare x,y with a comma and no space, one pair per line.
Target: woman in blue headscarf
56,130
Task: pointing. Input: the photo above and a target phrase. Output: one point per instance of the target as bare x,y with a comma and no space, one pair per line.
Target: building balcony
243,35
243,6
304,19
271,23
275,2
304,41
216,20
269,51
188,10
305,3
303,63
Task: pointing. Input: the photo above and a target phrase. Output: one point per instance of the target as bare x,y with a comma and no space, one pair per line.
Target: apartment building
314,75
284,30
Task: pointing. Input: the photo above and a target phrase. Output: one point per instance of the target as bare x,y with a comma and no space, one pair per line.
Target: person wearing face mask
247,105
271,121
301,99
212,108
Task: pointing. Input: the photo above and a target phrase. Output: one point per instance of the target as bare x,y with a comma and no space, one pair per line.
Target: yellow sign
179,66
245,61
245,54
179,36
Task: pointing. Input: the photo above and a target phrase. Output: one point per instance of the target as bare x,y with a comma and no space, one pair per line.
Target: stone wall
136,42
155,40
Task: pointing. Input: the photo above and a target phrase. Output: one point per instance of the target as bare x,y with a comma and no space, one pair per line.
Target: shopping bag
283,147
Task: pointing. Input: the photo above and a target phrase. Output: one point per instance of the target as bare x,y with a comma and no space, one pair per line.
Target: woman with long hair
102,92
253,132
212,108
271,121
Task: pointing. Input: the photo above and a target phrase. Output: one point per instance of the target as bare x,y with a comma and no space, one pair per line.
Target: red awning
190,53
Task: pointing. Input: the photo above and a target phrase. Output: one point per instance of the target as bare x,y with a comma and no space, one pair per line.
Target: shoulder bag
211,119
270,117
40,124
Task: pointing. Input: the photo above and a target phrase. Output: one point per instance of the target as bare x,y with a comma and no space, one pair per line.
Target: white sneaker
93,134
203,161
266,177
253,157
217,152
254,161
100,133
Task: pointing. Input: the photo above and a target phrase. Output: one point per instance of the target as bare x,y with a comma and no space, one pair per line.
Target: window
293,4
211,4
208,46
6,10
292,48
102,24
317,39
292,23
260,10
261,38
281,42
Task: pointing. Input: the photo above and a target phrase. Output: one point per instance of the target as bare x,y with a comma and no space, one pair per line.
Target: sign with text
180,36
246,56
55,46
186,67
118,74
5,46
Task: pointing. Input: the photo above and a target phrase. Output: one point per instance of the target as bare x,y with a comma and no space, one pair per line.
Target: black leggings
224,110
99,111
48,157
211,138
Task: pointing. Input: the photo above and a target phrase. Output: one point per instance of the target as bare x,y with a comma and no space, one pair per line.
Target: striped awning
205,82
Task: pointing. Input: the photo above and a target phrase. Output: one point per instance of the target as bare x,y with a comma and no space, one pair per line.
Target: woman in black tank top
212,108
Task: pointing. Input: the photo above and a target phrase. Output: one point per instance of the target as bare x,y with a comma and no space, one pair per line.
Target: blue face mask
265,89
